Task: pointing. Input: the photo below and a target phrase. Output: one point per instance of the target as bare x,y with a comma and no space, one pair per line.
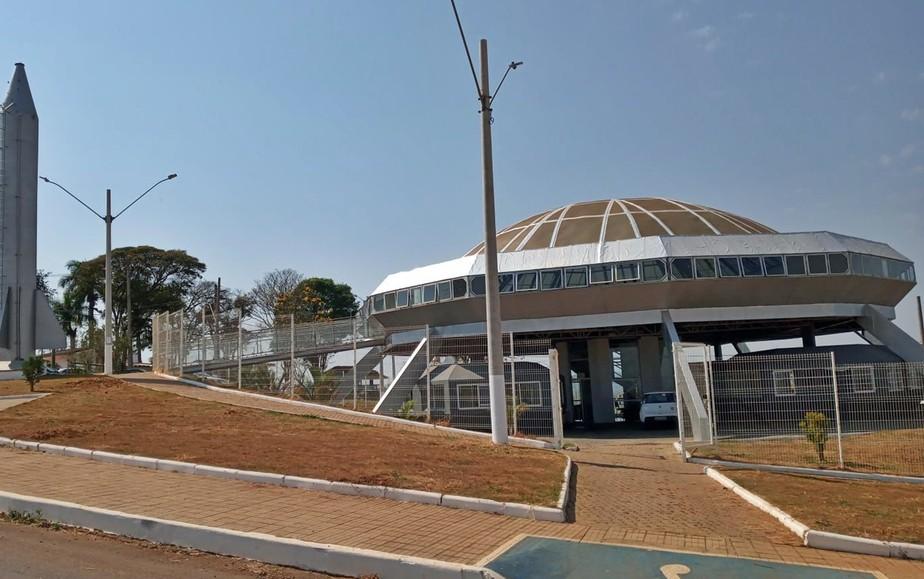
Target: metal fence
809,410
445,381
352,364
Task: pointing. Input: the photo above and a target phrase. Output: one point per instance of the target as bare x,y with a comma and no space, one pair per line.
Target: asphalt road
31,552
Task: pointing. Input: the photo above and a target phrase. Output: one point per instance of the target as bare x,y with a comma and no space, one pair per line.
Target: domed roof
619,219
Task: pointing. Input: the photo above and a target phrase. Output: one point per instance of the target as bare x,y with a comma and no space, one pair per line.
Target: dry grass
875,510
109,414
887,451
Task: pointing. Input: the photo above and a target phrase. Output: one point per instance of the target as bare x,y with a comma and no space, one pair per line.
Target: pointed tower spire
19,96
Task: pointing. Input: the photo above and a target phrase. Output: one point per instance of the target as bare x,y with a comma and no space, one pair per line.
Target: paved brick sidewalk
371,523
234,398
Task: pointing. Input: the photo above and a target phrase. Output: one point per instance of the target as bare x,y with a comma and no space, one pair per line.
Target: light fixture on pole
108,219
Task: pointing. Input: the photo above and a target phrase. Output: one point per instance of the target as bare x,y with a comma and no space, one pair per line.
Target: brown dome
619,219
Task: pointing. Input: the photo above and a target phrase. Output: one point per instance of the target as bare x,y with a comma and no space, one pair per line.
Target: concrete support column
601,380
808,336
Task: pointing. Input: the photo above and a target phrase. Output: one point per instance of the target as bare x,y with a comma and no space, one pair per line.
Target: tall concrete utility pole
107,340
496,382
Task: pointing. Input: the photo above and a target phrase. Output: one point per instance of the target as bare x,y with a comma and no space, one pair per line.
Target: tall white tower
26,320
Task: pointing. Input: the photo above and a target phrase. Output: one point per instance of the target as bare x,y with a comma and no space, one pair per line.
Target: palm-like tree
71,315
80,285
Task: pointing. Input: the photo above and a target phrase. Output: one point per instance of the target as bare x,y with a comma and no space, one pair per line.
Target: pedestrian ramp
561,559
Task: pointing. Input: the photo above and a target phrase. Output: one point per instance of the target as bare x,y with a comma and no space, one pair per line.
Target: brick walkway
380,524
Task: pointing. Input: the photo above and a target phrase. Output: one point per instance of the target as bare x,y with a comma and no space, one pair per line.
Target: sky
341,138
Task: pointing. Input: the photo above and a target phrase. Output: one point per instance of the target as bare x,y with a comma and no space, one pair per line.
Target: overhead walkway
180,347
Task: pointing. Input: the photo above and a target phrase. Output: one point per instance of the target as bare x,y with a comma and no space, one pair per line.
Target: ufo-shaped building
613,283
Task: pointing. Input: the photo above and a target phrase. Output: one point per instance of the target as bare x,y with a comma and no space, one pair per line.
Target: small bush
815,428
407,410
32,370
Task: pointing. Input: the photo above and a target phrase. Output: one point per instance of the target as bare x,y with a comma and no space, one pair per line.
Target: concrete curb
325,558
785,518
344,488
837,542
514,441
565,486
822,539
839,474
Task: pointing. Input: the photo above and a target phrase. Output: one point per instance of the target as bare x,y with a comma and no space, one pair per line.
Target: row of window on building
650,270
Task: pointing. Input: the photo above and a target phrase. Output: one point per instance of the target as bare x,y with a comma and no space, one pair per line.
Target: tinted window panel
550,280
459,288
576,277
390,301
444,291
817,264
429,292
856,263
416,296
402,298
654,270
837,263
795,265
476,285
505,283
601,274
751,266
682,268
705,267
378,303
773,265
872,266
627,271
729,267
527,281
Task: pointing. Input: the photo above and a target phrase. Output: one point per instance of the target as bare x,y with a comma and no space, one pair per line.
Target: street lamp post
108,219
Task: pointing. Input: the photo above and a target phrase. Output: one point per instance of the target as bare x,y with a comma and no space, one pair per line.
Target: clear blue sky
341,138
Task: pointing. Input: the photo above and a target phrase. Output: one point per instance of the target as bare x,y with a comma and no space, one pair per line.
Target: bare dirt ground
62,552
109,414
889,451
875,510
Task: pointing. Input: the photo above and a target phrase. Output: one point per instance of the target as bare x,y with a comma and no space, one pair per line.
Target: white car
658,407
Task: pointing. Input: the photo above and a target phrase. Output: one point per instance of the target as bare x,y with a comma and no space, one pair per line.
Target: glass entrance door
627,391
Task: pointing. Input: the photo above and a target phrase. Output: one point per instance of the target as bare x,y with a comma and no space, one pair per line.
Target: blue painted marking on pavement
559,559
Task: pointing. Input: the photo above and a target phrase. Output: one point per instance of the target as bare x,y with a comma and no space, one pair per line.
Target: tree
267,291
318,298
42,284
71,316
161,280
32,370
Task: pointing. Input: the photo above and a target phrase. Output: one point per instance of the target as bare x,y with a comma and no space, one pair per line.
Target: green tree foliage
161,280
71,315
815,428
32,370
318,298
43,285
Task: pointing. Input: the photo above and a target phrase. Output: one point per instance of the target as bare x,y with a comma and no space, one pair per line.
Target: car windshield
659,398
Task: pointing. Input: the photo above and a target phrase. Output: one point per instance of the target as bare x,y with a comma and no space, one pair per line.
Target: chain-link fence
809,410
350,364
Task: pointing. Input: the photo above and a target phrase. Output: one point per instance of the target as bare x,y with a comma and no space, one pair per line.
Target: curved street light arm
47,180
137,199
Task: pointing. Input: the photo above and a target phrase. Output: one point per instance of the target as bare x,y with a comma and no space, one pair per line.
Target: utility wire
468,53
